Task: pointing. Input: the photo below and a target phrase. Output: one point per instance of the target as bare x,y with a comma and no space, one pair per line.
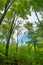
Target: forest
17,23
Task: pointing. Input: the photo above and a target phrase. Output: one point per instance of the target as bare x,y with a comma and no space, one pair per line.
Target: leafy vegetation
11,53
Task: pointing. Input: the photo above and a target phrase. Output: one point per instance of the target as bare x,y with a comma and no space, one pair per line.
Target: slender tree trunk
17,43
16,61
8,38
7,5
3,16
6,9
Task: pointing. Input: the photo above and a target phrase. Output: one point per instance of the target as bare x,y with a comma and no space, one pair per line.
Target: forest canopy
13,14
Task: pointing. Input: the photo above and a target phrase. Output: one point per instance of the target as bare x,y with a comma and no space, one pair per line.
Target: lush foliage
10,52
25,55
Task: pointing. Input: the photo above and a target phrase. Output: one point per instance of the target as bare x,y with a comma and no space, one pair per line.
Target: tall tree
20,11
9,35
33,35
7,6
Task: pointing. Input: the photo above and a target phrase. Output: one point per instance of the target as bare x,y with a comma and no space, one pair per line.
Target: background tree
33,35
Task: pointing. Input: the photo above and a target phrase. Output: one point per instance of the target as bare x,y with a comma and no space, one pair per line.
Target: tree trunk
7,5
6,9
8,38
17,43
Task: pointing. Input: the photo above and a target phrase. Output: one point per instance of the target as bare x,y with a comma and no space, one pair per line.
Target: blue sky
25,38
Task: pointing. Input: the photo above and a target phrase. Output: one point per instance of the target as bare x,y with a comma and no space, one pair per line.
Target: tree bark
8,38
6,9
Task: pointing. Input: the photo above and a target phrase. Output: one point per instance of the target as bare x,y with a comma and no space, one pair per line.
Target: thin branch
37,17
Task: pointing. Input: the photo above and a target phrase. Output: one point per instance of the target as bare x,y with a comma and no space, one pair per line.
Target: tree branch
37,17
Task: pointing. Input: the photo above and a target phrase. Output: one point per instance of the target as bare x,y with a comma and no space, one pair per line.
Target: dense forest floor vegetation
17,18
25,55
